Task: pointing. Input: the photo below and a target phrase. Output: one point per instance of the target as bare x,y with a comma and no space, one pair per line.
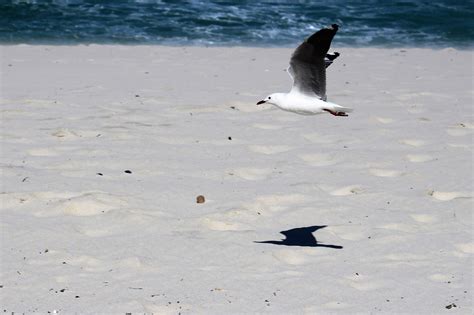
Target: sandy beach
104,150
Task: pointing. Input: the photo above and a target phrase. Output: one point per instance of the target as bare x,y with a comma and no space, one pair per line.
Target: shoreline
228,46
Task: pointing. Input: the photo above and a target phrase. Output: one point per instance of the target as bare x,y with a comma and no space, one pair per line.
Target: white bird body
308,70
303,104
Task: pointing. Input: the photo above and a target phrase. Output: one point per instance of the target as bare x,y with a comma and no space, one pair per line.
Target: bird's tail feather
340,108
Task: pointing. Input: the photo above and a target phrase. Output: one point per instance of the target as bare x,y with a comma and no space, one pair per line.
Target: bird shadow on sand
302,236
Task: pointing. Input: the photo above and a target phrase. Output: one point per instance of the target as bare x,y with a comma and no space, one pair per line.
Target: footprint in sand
333,305
413,142
267,126
460,145
290,257
384,120
458,132
350,233
65,134
42,152
439,277
14,200
346,191
113,223
230,220
269,149
175,140
402,227
424,218
467,248
319,159
460,129
319,138
217,225
252,173
277,203
448,195
363,283
419,158
87,204
415,109
385,172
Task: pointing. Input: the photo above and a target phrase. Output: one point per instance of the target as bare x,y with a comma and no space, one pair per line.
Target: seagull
308,70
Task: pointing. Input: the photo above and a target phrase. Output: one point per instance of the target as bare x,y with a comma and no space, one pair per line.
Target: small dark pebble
267,301
77,296
46,250
1,286
357,273
136,95
128,171
230,138
64,262
100,174
233,107
450,306
200,199
62,290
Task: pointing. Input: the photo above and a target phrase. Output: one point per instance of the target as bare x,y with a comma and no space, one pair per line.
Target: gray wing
309,61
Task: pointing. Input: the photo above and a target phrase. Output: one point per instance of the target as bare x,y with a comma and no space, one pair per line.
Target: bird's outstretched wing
309,61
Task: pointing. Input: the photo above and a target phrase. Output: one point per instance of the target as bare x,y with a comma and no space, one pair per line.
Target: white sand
392,182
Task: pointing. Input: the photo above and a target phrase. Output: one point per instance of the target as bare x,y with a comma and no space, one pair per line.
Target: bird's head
270,99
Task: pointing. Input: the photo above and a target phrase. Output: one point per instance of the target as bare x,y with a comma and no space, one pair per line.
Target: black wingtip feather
321,40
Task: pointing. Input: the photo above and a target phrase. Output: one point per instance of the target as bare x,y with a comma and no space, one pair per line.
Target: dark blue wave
257,23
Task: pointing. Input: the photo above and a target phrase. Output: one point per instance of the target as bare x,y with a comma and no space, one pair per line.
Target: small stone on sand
200,199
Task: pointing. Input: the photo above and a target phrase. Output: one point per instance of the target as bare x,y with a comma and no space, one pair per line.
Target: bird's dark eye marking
269,98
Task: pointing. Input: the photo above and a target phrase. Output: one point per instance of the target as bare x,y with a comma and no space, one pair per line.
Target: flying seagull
308,70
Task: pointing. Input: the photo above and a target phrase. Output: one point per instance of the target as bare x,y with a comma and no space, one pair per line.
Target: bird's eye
269,98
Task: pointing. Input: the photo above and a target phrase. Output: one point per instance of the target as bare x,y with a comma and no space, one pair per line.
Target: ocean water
397,23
